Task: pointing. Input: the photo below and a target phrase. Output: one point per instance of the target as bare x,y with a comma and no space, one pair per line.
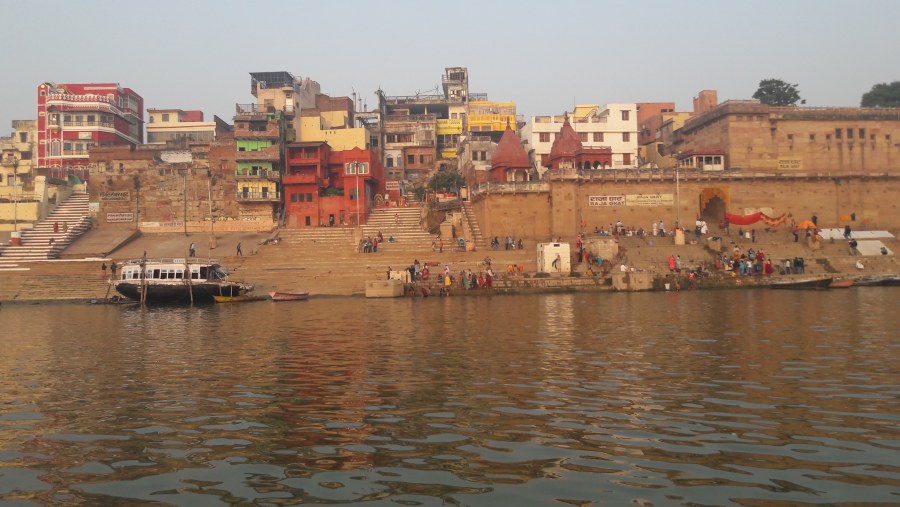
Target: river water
748,397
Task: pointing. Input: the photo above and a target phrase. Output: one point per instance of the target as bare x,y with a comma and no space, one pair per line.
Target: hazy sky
545,56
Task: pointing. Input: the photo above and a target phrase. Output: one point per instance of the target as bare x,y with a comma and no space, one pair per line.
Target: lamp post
358,216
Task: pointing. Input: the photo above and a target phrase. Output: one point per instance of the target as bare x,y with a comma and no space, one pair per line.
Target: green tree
882,95
775,92
447,180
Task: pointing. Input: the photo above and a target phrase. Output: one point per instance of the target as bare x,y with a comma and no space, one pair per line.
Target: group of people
368,245
508,244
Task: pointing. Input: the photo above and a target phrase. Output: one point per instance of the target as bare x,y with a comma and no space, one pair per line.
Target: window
67,146
626,137
294,197
812,138
582,136
54,149
862,134
828,137
23,137
849,133
625,115
544,137
356,168
91,118
373,141
389,162
626,158
165,117
422,159
790,137
598,137
837,133
309,197
410,159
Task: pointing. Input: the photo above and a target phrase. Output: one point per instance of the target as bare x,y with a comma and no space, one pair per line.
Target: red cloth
744,219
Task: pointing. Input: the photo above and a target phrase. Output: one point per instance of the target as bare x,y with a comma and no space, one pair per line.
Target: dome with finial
567,143
510,152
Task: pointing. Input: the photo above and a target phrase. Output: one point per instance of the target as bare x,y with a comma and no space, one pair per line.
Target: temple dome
509,151
567,144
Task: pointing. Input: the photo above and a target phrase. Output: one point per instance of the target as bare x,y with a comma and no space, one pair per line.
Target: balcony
258,196
410,118
271,153
106,124
259,175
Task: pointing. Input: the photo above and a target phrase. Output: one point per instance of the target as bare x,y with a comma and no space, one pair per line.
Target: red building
73,118
322,187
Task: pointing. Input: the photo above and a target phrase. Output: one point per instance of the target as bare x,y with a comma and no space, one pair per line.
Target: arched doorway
713,204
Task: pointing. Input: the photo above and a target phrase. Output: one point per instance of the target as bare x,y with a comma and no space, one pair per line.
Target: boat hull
179,292
804,284
289,296
239,299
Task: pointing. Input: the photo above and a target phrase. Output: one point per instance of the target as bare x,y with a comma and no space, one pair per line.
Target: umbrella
806,224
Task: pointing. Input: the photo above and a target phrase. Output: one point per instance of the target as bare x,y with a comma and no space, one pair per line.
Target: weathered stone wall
565,209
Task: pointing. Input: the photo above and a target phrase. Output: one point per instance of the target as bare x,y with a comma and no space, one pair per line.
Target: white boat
176,280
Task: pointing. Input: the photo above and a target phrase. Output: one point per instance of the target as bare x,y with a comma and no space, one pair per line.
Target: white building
613,125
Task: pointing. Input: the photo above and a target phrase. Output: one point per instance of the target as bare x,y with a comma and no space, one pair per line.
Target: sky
545,56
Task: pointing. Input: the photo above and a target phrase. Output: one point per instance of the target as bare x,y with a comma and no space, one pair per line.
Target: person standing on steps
103,271
192,250
238,252
112,270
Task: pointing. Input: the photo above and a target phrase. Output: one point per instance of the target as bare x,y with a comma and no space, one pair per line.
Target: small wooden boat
238,299
289,296
841,283
803,284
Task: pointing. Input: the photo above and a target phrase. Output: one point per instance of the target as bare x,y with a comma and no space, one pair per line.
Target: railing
402,99
510,187
411,117
259,196
478,97
107,124
261,175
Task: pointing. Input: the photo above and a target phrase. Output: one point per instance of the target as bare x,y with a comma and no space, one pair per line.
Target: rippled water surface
707,398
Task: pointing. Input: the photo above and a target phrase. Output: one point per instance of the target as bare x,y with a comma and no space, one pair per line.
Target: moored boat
239,299
803,284
172,281
841,283
289,295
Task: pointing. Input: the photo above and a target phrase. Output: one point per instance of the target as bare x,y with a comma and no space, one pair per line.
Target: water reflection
737,398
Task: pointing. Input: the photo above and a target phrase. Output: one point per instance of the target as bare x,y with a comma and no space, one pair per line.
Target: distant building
261,131
17,153
658,120
755,137
325,187
612,127
73,118
510,161
424,132
166,125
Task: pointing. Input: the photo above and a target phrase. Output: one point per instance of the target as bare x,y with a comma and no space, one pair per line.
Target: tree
775,92
446,181
882,95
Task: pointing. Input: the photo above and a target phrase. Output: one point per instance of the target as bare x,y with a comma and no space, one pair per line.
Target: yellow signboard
790,163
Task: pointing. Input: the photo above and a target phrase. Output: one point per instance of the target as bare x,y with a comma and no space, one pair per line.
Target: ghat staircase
52,235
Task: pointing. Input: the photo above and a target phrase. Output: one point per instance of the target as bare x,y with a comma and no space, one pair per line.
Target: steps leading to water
52,235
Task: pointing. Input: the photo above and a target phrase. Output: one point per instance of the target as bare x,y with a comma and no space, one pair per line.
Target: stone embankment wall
564,210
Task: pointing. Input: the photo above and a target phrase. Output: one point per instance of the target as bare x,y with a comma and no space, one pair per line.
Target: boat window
155,274
179,274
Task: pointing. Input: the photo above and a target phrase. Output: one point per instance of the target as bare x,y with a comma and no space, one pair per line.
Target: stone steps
70,219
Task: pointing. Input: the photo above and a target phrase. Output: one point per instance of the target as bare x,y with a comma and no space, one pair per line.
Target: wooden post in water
187,271
144,279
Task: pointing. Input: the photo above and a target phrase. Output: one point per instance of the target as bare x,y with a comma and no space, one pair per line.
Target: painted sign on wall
117,218
606,200
115,195
649,200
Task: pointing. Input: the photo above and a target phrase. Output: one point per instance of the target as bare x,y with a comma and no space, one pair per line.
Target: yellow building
489,116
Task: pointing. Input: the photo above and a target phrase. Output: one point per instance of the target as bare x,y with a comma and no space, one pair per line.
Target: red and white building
73,118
